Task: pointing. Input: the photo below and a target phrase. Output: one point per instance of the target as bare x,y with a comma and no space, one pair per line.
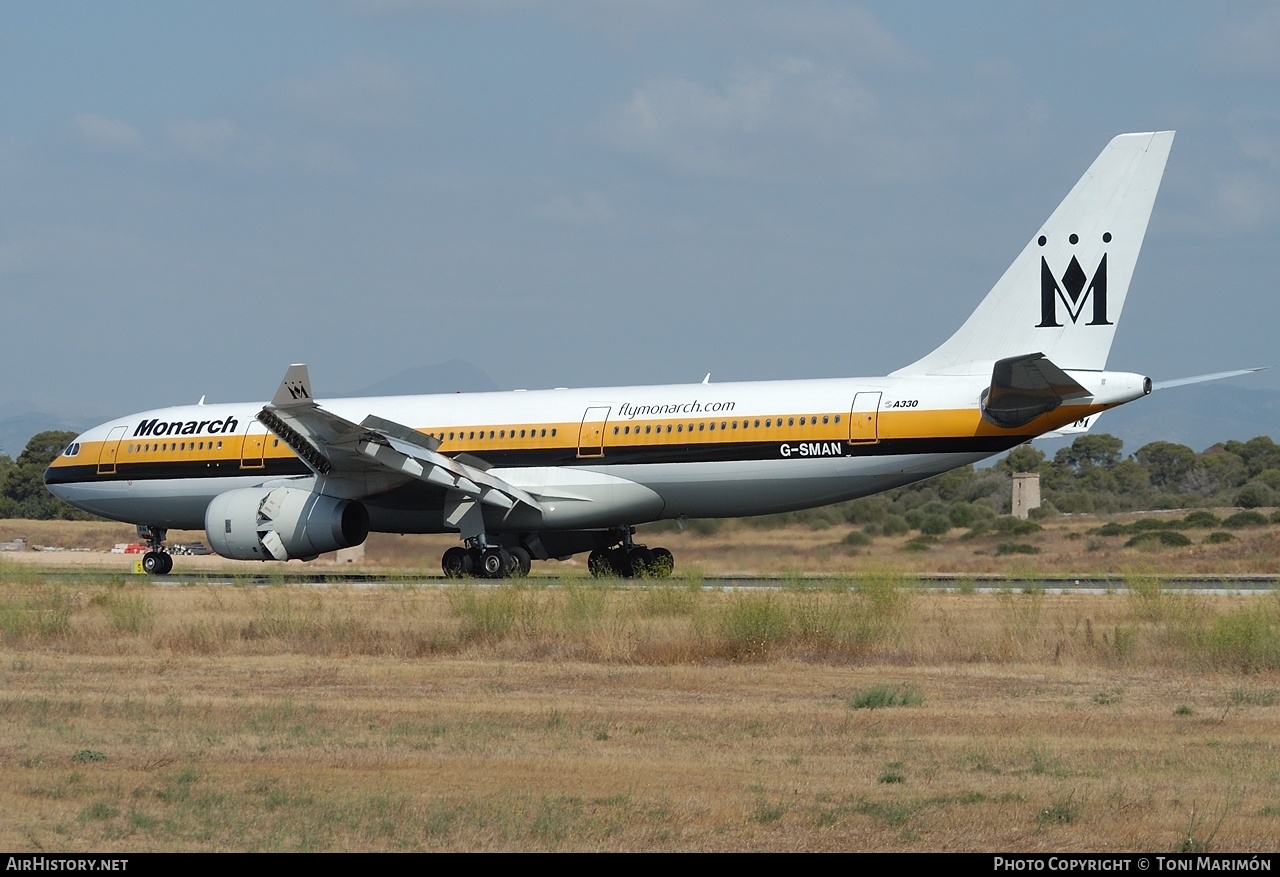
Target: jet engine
282,523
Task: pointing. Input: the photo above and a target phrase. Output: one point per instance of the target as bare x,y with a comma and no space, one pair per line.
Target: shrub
1011,526
1241,520
1218,537
1016,548
894,525
935,525
1248,640
1254,495
1201,518
961,514
1167,538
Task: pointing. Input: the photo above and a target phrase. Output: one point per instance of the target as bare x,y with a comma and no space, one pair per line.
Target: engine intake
282,523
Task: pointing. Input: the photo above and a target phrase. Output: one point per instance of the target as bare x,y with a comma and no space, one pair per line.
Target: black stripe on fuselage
282,467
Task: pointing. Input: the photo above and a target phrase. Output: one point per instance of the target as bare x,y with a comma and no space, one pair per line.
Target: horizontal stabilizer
1025,387
1200,379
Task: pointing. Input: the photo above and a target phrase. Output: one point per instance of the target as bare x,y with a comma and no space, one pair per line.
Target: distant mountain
20,421
454,376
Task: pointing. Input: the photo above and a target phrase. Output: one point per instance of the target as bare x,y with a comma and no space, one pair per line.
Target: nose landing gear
157,561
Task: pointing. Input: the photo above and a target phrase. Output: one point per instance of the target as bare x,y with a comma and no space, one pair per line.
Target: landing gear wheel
521,562
457,563
600,562
664,563
494,563
157,563
638,563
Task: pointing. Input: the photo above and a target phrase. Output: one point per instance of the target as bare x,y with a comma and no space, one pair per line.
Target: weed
1061,810
892,813
766,812
892,774
130,612
42,613
1107,698
98,812
879,696
1022,614
1248,640
1195,840
1252,697
754,624
488,614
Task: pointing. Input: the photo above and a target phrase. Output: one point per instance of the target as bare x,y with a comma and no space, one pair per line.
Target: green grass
880,696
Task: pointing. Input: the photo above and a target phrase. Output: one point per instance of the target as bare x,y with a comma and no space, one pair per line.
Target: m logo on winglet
1074,291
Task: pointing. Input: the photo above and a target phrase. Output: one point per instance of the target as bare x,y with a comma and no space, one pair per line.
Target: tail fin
1063,295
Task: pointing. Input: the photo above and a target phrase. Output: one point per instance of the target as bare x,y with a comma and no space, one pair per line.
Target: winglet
295,389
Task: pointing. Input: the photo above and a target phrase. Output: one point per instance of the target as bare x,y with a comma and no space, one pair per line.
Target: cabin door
864,417
591,435
111,448
255,440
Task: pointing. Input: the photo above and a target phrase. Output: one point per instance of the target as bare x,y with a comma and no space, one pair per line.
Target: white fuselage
593,457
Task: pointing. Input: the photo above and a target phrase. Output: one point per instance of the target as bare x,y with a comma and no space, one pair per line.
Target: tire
521,562
639,563
664,563
457,563
494,563
153,563
166,564
600,564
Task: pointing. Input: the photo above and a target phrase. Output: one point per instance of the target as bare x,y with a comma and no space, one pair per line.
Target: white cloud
359,91
793,118
103,133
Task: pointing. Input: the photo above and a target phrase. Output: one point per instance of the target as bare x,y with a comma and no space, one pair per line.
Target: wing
359,459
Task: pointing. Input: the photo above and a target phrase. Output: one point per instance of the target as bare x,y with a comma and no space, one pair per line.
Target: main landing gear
157,561
616,555
630,560
489,562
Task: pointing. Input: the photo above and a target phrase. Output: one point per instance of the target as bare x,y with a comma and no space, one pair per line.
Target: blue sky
193,196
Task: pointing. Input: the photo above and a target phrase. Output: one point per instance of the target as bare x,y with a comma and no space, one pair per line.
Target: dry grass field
856,714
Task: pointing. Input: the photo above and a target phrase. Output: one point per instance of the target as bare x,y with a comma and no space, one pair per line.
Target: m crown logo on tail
1075,289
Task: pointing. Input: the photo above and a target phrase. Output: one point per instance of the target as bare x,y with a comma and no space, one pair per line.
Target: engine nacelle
282,523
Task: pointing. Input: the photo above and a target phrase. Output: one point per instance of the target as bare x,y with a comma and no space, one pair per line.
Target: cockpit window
72,449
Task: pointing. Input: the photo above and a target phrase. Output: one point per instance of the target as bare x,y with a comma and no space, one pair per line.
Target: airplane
525,475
